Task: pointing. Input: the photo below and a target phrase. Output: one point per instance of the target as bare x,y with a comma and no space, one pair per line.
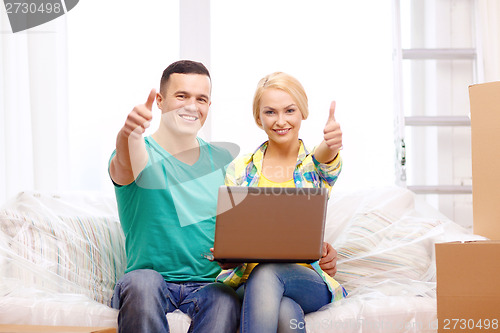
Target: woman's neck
279,161
283,151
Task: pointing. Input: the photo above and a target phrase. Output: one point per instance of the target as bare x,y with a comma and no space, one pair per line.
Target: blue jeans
144,298
277,297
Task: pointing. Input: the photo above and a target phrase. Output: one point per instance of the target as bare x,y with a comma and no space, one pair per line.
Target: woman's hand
328,261
332,139
332,132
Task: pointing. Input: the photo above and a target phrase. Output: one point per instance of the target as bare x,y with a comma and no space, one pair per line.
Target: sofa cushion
46,248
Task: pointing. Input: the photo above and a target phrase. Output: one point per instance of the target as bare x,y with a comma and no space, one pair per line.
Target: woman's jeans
144,298
278,295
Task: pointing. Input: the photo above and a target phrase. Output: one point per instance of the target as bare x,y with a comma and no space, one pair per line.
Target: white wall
339,50
117,52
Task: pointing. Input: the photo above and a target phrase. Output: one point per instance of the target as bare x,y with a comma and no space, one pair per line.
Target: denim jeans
144,298
277,296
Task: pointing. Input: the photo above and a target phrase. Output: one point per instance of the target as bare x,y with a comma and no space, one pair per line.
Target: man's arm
131,155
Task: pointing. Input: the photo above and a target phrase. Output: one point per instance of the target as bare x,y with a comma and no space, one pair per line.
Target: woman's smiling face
279,116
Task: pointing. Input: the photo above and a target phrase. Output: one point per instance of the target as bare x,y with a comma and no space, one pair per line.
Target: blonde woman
277,296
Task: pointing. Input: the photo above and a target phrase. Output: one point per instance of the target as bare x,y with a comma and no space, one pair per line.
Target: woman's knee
290,315
266,272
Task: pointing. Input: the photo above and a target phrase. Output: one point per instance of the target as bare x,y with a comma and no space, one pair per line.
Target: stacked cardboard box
468,274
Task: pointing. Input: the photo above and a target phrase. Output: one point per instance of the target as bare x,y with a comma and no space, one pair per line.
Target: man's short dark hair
183,67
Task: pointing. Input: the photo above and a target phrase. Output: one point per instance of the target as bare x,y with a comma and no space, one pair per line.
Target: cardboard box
468,273
468,288
54,329
485,135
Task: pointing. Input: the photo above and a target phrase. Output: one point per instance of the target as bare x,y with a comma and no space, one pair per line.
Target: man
166,189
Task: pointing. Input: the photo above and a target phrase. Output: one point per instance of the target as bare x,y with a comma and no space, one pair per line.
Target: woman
277,296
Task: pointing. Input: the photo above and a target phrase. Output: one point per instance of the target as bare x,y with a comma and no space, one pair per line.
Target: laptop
269,224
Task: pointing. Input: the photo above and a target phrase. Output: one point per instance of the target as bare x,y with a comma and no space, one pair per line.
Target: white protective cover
60,256
385,241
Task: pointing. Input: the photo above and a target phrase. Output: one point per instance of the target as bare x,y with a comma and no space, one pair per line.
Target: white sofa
61,254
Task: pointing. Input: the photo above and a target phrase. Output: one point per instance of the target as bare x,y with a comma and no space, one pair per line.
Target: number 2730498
469,324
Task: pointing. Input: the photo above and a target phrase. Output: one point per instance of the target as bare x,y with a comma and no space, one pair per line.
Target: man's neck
185,148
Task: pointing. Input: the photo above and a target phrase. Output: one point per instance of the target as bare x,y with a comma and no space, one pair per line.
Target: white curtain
33,108
489,21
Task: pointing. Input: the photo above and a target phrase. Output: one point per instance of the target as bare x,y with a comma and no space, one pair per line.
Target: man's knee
138,285
223,298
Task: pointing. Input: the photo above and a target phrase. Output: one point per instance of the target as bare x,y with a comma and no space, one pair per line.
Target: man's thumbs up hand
332,132
139,119
151,99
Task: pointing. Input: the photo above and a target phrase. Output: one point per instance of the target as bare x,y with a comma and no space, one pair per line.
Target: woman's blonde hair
285,82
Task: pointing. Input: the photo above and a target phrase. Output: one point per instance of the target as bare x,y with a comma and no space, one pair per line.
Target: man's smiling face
185,102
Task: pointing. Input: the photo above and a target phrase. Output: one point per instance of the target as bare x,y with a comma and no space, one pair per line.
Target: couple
166,189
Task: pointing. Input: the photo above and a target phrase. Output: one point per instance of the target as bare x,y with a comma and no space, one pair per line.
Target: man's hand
227,265
139,119
332,132
328,261
131,155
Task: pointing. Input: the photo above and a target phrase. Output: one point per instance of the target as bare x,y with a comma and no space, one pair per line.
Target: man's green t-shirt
168,213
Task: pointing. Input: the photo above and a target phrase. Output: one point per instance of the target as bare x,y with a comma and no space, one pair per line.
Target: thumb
331,116
151,99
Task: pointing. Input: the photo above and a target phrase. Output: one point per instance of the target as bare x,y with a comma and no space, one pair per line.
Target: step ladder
402,121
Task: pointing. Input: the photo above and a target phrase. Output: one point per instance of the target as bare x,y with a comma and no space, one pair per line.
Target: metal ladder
402,121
